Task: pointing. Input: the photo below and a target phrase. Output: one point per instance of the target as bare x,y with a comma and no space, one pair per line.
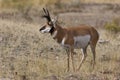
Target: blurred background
93,12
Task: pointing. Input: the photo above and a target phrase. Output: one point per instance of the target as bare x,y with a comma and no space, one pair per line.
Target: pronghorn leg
94,54
84,55
68,59
72,53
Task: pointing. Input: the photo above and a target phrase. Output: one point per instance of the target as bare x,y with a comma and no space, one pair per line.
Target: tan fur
70,36
70,32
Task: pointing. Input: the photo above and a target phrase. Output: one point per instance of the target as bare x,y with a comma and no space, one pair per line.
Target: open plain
26,54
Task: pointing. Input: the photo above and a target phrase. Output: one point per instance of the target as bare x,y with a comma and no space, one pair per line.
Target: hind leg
94,54
84,55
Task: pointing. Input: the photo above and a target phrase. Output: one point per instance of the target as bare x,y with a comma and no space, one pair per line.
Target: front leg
68,59
72,53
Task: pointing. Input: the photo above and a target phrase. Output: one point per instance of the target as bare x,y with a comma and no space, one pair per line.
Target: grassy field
26,54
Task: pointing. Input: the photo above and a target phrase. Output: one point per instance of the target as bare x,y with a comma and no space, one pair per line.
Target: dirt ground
26,54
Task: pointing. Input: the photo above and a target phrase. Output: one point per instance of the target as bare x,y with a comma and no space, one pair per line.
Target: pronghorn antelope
72,38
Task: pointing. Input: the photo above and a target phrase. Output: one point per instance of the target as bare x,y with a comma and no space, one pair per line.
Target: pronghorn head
49,25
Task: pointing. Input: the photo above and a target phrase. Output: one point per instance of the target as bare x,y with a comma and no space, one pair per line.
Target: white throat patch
46,30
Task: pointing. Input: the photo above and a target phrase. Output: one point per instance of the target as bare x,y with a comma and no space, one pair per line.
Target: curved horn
47,15
45,11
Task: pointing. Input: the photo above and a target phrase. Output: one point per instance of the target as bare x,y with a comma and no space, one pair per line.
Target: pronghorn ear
54,21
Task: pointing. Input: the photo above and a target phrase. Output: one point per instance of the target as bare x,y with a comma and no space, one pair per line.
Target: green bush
113,26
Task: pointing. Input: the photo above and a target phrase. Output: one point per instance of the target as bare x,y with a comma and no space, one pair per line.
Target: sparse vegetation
26,54
113,26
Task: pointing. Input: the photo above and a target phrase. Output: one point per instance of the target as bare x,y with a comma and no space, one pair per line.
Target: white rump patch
81,41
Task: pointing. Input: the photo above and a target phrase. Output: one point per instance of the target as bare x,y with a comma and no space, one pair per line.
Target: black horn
47,15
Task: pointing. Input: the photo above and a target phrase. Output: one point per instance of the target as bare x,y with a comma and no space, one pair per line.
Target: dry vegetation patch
26,54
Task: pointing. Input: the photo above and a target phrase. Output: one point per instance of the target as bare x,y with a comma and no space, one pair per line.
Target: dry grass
21,48
27,54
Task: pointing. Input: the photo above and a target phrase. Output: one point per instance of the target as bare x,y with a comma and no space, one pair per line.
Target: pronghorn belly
81,41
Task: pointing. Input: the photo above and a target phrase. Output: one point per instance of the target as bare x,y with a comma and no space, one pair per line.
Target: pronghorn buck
72,38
